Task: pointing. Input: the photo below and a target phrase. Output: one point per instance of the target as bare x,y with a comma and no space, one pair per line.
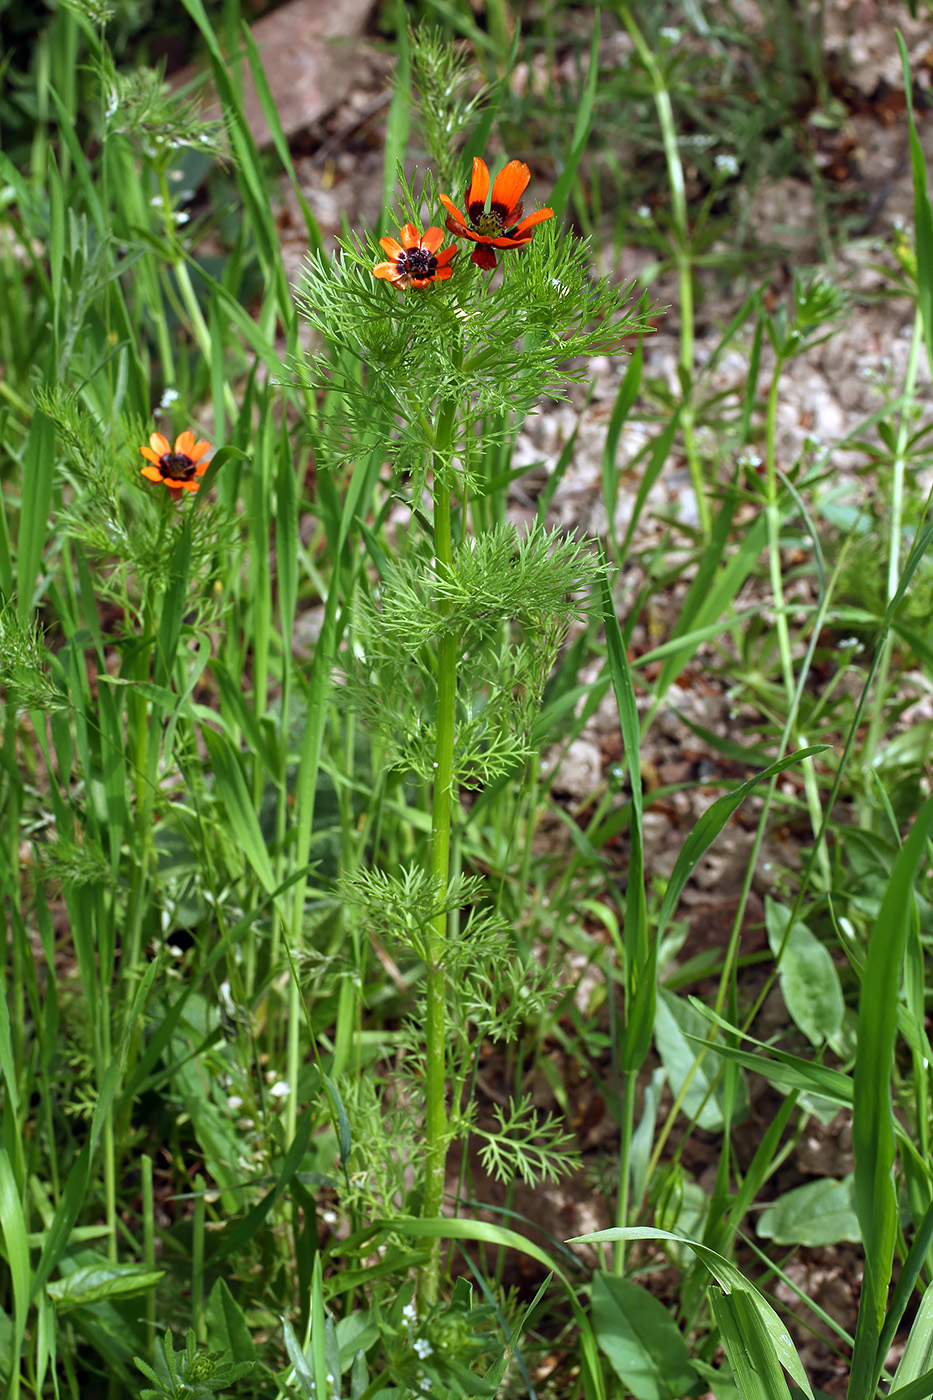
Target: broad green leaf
640,1339
818,1213
809,980
356,1332
227,1327
93,1282
677,1028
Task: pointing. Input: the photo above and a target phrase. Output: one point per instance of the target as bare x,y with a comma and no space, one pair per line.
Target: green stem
149,1254
436,1135
774,534
894,541
197,1259
625,1153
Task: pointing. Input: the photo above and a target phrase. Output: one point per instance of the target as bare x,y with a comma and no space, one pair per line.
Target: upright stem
625,1162
774,535
436,1136
894,542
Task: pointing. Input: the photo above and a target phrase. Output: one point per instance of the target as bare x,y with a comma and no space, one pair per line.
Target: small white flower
234,1102
643,211
727,163
168,398
424,1348
670,33
280,1089
409,1312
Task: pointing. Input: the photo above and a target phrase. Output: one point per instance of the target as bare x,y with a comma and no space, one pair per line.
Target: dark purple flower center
417,262
176,466
495,222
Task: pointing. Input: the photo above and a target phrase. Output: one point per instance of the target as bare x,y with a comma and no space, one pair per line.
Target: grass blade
923,214
873,1141
581,130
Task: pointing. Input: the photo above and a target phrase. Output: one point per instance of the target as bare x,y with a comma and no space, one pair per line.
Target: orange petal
391,247
463,232
389,271
509,187
159,444
151,473
477,189
190,485
537,217
443,273
184,442
198,451
447,255
149,454
420,282
453,211
507,241
484,257
432,238
201,468
409,237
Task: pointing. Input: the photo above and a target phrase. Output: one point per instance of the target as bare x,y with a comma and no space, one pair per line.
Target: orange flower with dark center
501,225
415,260
180,468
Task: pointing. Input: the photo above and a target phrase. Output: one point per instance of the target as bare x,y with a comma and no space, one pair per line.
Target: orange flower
415,260
501,225
180,469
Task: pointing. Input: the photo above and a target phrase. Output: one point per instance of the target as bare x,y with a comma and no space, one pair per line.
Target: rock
310,54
